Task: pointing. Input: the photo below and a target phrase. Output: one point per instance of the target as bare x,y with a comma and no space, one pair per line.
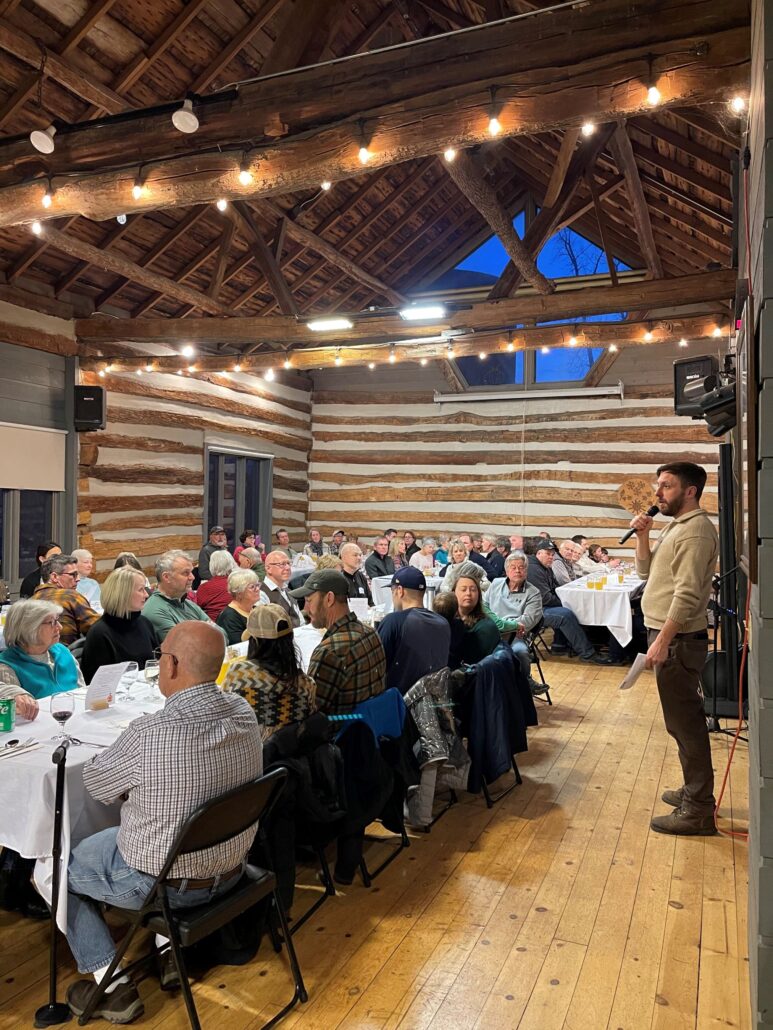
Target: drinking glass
590,582
62,708
151,670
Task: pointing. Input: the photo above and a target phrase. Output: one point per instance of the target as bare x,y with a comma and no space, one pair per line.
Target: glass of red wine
62,707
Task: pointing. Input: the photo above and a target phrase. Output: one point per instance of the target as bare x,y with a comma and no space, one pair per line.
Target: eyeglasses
73,575
158,654
280,564
51,622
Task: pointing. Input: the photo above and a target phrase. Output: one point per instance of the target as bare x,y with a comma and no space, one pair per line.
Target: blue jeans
97,871
521,652
563,621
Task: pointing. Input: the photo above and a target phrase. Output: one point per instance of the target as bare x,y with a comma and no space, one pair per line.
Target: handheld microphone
652,512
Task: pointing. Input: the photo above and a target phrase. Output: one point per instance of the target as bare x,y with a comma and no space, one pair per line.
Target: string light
37,228
587,129
269,375
138,372
48,197
237,367
544,350
222,204
449,154
392,358
573,339
179,371
245,175
422,361
612,348
511,347
148,367
364,153
494,124
101,373
653,96
738,105
449,351
325,185
371,365
287,363
188,351
717,332
108,368
683,342
648,336
338,359
482,355
191,368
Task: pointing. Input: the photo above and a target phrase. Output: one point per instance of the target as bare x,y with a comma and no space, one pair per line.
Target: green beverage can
7,714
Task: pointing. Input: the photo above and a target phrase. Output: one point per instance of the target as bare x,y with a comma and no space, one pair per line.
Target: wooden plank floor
558,908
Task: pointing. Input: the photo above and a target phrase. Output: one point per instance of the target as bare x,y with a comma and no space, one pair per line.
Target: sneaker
595,659
537,688
168,977
122,1005
684,824
673,797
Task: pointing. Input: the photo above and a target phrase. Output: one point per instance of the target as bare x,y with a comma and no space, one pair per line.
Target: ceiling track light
184,119
245,175
494,124
43,139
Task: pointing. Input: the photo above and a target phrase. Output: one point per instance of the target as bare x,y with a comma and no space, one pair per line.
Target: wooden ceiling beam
370,31
71,277
602,227
695,179
600,367
561,167
653,185
302,22
193,266
32,253
420,113
621,334
265,260
453,19
722,131
213,290
655,130
623,153
239,41
706,287
481,195
109,261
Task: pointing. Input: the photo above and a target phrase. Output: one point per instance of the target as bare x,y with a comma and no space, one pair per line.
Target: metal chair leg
97,995
179,961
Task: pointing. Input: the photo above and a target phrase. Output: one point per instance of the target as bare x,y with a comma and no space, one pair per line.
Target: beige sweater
678,573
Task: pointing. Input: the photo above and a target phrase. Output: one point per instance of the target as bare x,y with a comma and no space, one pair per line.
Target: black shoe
168,977
122,1005
537,688
559,649
34,907
596,659
343,878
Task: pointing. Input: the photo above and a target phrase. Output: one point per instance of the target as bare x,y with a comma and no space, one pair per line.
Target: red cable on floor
737,834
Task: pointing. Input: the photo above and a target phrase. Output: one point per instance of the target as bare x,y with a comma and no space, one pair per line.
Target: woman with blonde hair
397,550
123,634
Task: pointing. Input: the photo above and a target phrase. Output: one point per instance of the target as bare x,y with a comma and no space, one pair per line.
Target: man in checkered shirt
203,743
348,665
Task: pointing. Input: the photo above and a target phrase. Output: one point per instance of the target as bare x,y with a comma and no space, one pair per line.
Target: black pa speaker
89,408
686,372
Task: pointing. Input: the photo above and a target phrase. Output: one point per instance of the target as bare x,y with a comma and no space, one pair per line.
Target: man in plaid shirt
348,665
59,585
203,743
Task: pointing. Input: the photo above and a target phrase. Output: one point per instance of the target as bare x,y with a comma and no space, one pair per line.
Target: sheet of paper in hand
637,668
101,690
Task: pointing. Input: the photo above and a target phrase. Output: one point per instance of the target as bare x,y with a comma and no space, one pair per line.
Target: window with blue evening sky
566,254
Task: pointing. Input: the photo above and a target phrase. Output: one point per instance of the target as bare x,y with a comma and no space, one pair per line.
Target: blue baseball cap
410,578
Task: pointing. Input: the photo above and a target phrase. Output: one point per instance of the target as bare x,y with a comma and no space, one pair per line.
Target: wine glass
151,670
62,707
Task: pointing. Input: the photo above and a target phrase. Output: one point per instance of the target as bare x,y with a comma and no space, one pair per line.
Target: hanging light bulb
138,372
648,336
338,359
494,124
48,197
121,219
482,355
449,154
43,140
717,332
364,153
237,367
287,363
245,175
325,185
572,340
188,351
653,96
422,361
101,373
148,367
183,119
738,105
108,368
612,348
179,371
544,350
222,204
191,368
683,342
371,365
587,129
269,375
510,347
392,358
449,351
37,228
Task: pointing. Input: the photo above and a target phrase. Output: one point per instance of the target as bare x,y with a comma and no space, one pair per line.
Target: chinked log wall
141,481
402,460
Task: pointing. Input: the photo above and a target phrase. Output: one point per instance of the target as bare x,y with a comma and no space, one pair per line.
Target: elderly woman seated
457,553
213,594
243,593
271,677
123,634
424,559
88,587
468,581
34,664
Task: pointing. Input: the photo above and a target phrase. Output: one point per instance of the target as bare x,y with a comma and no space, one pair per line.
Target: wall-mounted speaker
89,409
686,372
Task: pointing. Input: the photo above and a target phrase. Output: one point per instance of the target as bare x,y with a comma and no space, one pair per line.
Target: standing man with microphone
678,571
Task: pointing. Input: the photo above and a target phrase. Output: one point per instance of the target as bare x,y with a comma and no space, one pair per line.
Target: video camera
704,391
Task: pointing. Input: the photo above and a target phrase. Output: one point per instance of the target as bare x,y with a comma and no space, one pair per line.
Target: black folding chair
213,823
530,640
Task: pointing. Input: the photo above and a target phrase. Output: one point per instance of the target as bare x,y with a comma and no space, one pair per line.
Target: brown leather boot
685,824
673,797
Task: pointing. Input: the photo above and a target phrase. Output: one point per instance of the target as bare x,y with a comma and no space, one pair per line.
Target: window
238,493
27,518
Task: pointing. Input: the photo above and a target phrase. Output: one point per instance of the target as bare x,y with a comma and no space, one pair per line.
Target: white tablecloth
610,607
307,638
382,594
29,784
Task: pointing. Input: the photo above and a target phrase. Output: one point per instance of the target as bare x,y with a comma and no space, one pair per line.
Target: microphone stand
55,1012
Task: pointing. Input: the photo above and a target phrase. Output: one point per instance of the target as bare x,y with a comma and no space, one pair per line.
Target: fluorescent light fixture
329,325
423,312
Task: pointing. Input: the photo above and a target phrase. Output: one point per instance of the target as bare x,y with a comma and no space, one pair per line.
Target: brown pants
678,681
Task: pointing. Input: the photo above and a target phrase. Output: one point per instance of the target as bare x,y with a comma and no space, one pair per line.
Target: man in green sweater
678,571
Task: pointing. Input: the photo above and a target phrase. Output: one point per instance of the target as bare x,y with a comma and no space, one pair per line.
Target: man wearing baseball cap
415,639
348,665
218,541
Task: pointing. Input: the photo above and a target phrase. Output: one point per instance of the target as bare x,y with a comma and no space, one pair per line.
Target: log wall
141,480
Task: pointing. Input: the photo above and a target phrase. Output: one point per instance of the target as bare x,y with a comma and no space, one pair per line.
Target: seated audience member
273,589
337,541
424,559
123,634
416,640
351,560
441,554
283,544
563,566
584,562
481,633
515,599
60,586
127,558
217,542
445,604
411,547
516,542
202,743
246,539
244,592
34,663
250,559
397,553
271,677
330,561
87,587
476,542
503,546
390,534
378,562
31,580
169,604
457,553
600,556
348,665
475,556
567,631
489,551
212,596
316,547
